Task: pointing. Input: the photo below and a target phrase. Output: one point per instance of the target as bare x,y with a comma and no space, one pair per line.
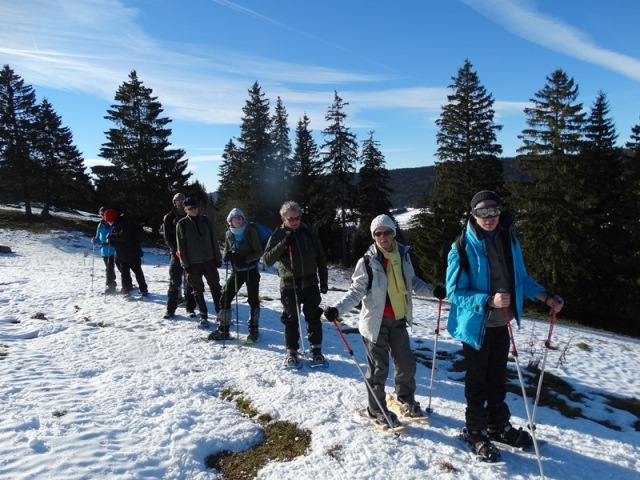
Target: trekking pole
226,296
295,296
93,262
547,345
433,360
514,351
235,276
366,382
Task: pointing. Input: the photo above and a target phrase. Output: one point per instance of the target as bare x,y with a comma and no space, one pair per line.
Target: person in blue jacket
107,252
484,296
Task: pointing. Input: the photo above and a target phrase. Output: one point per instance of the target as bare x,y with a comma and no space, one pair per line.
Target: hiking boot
169,314
110,291
191,313
253,335
316,355
380,419
204,321
411,409
510,436
219,335
291,359
144,294
480,443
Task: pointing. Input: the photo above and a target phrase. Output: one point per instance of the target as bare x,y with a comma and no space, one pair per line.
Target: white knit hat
383,221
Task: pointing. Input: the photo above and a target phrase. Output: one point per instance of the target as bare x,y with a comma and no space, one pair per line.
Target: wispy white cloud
90,46
521,18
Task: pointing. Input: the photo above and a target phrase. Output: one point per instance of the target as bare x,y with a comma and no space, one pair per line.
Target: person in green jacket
302,267
199,256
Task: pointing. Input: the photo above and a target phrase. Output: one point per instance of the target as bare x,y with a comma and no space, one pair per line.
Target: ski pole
366,382
226,297
235,276
295,296
547,344
514,351
93,262
433,360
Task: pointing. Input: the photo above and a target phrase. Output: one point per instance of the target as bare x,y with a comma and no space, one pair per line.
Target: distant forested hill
409,183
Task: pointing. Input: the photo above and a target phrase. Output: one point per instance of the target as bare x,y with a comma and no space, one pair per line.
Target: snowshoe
411,412
219,335
292,361
517,438
318,360
204,322
480,444
252,337
379,421
169,315
191,314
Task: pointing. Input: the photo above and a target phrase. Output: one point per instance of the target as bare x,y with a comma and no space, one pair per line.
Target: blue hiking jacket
102,231
468,315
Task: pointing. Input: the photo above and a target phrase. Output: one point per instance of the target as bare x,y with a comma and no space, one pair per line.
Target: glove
94,240
288,238
231,257
111,238
331,313
219,264
440,292
324,289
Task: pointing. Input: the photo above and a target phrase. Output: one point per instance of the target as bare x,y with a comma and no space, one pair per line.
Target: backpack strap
367,265
462,254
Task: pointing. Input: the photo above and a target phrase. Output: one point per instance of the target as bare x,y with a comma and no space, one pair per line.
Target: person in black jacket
177,276
199,256
125,237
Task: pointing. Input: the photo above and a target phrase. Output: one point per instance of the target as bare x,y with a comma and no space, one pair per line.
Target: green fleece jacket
309,260
197,241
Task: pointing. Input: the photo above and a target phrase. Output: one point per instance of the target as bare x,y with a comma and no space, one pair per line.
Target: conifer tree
305,169
548,203
467,162
256,156
373,192
340,160
234,185
62,179
18,110
145,170
280,183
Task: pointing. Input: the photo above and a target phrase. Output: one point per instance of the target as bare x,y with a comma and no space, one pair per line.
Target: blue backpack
264,232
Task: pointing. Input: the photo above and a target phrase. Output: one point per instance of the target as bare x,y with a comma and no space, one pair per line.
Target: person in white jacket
384,280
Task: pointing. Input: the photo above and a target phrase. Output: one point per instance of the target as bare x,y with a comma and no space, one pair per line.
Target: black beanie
485,195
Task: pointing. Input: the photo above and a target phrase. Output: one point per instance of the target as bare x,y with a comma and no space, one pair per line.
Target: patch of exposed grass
282,441
446,466
335,452
583,346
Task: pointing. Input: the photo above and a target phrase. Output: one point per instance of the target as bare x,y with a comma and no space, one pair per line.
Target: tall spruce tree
281,153
234,185
467,162
256,156
305,169
340,159
145,171
551,217
373,192
62,181
18,168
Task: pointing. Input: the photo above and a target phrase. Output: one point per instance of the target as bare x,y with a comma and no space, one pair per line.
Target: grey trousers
394,339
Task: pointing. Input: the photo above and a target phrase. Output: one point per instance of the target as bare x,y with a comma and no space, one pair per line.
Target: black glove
324,289
110,238
331,313
230,257
288,238
219,264
440,292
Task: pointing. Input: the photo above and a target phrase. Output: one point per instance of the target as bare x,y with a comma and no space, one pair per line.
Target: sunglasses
293,219
488,212
383,233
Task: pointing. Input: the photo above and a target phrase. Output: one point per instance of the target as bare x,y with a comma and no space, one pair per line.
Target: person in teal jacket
107,252
484,297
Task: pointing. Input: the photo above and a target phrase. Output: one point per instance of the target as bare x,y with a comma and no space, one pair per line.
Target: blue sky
392,61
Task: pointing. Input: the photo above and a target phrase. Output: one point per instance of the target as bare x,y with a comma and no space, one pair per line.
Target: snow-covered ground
94,387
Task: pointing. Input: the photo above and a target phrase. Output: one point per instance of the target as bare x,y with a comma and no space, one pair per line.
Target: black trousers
235,281
310,299
134,266
484,385
110,265
178,279
209,271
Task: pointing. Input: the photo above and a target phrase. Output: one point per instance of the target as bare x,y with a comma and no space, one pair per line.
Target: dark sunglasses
488,212
383,233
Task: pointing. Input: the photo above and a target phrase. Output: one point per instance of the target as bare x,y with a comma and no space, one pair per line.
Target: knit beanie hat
110,215
236,212
190,202
485,195
383,221
178,197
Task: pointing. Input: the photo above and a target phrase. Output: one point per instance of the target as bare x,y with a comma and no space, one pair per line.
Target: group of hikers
486,282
